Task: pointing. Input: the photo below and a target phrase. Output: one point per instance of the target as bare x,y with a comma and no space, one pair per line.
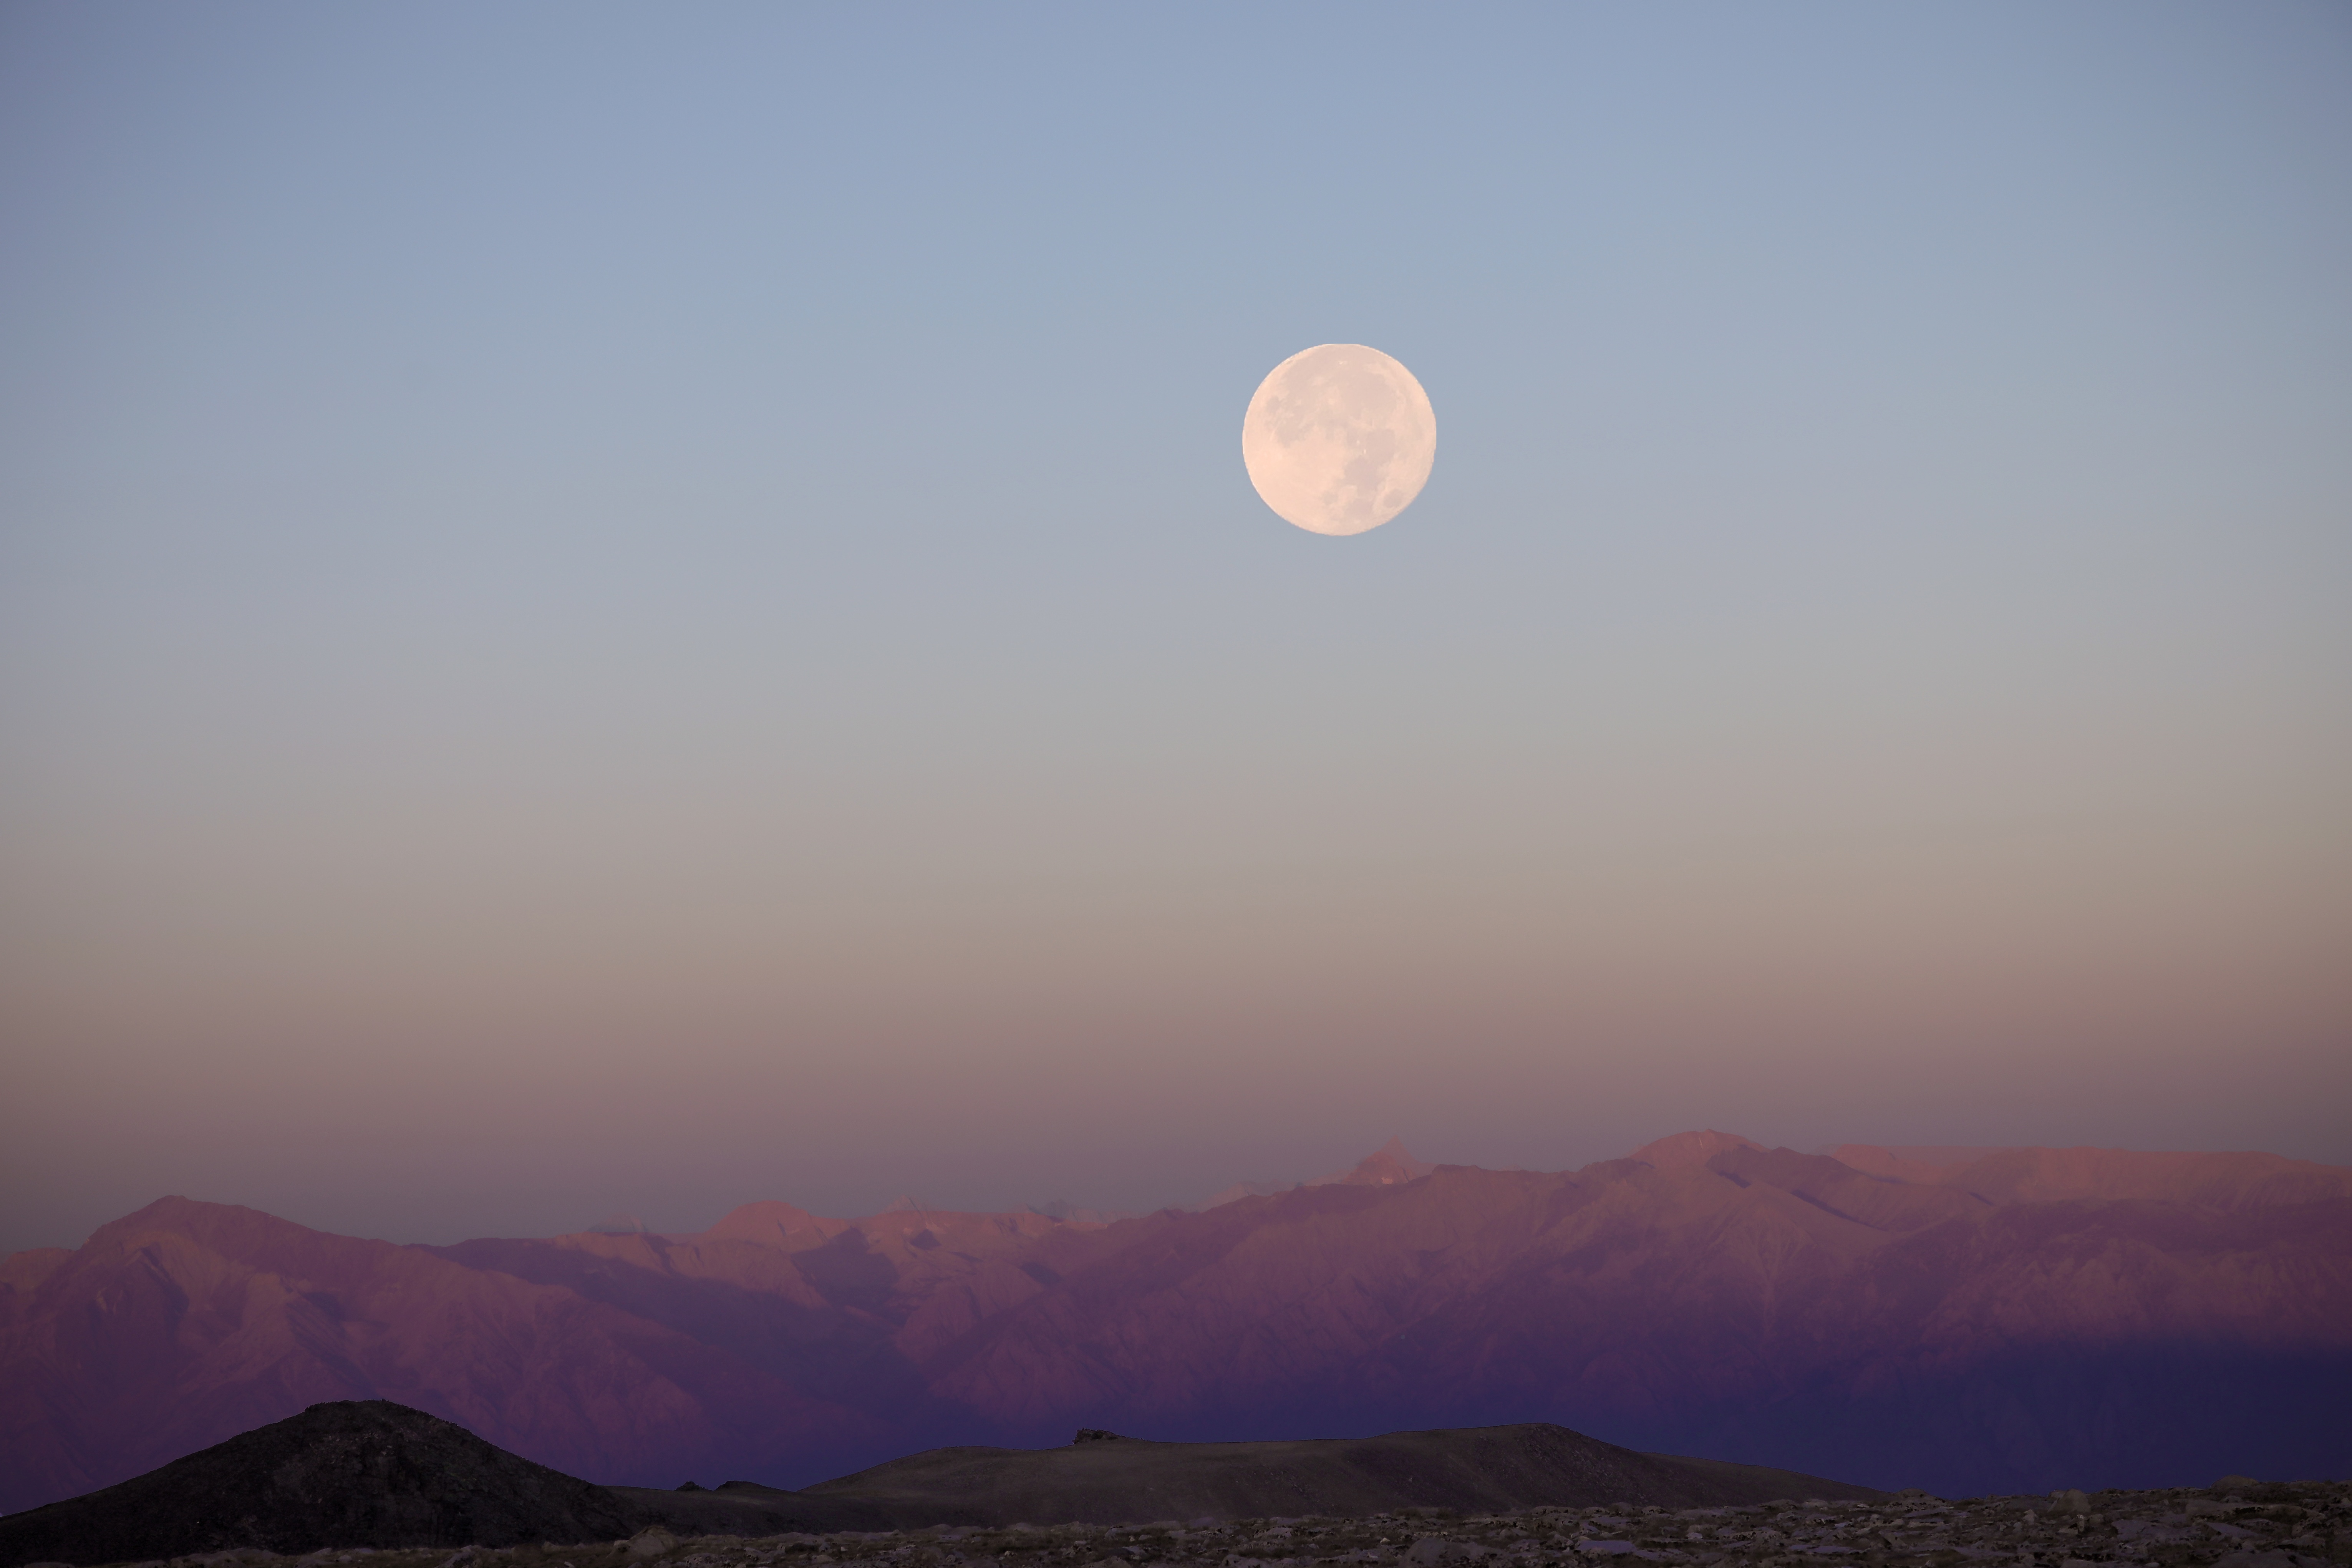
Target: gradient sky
621,607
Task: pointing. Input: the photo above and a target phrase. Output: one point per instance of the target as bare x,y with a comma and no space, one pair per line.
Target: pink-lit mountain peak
2046,1175
1682,1149
774,1223
1675,1298
1994,1176
1392,1156
1391,1165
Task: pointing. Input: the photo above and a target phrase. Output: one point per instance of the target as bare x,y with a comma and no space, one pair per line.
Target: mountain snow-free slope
2004,1321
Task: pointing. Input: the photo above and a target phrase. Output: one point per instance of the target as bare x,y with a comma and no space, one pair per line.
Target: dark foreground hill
371,1473
380,1475
2238,1523
357,1473
1106,1479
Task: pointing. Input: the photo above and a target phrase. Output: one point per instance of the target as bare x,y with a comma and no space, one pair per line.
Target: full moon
1339,439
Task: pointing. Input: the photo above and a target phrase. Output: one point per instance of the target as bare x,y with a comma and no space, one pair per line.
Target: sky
607,608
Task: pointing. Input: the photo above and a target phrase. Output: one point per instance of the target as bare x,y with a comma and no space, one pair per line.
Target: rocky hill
350,1474
1103,1479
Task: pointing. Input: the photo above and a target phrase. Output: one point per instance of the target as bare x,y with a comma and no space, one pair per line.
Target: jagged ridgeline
2011,1323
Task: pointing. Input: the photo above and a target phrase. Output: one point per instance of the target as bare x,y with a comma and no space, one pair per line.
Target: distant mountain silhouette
1239,1191
1970,1322
1390,1166
619,1225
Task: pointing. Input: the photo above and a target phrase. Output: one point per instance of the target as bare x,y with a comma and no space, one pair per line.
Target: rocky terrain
1973,1321
2236,1524
379,1475
373,1473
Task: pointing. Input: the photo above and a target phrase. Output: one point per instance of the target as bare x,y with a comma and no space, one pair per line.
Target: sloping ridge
355,1472
1106,1479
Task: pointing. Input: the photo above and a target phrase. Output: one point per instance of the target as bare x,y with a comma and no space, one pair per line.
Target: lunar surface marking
1339,439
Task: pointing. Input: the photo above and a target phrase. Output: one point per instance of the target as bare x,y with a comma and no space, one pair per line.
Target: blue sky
583,586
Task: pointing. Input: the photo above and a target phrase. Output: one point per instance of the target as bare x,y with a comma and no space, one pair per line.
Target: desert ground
2235,1524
